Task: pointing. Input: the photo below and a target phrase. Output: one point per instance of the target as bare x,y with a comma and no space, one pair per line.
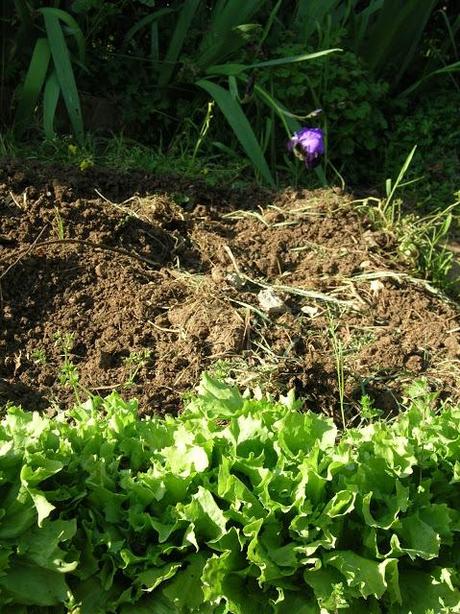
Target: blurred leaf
145,21
225,32
392,40
33,585
73,26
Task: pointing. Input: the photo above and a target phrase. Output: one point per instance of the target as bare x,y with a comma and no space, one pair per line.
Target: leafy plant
50,70
237,505
351,102
433,126
153,63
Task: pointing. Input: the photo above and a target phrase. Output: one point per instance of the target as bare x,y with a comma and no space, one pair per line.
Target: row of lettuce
237,505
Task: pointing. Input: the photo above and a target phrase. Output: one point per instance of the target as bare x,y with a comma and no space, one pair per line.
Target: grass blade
394,36
240,125
311,13
294,58
455,67
236,69
64,71
73,26
402,172
268,26
33,84
223,36
24,13
50,100
145,21
288,119
186,15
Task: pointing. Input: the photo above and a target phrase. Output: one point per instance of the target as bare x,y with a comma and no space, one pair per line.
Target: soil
142,283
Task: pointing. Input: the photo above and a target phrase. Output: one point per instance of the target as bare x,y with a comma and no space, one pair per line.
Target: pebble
310,310
100,270
271,302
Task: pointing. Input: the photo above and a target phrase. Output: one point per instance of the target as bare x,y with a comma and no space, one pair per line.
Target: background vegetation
223,84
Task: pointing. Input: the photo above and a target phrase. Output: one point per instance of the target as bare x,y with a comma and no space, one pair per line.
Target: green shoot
58,225
68,373
134,363
338,350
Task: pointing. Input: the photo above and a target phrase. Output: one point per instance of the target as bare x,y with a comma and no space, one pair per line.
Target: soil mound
144,283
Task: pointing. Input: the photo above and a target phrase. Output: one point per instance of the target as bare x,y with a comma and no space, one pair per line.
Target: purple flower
308,144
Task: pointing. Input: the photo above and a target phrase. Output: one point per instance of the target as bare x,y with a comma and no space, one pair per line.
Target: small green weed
39,356
58,225
134,363
421,240
367,410
68,373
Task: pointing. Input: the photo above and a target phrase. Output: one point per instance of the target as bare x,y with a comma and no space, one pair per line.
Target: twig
120,207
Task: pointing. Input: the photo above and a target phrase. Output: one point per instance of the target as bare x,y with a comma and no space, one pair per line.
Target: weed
39,356
367,410
134,363
68,373
421,240
58,225
360,340
204,128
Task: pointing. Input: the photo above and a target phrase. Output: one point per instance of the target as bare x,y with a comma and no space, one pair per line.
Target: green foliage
433,125
148,60
55,80
238,505
240,125
392,39
350,99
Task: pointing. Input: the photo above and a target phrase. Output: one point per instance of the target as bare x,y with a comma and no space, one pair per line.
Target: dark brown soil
156,281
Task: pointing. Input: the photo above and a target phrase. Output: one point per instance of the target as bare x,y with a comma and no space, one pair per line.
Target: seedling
367,409
134,363
39,356
58,225
68,373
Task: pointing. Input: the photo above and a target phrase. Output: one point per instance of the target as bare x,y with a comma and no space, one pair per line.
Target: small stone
369,238
217,275
271,302
100,270
452,346
310,310
365,264
376,286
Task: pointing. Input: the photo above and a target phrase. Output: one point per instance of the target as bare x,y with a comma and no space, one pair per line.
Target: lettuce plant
237,505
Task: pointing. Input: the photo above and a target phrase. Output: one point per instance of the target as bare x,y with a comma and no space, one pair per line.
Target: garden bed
157,281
